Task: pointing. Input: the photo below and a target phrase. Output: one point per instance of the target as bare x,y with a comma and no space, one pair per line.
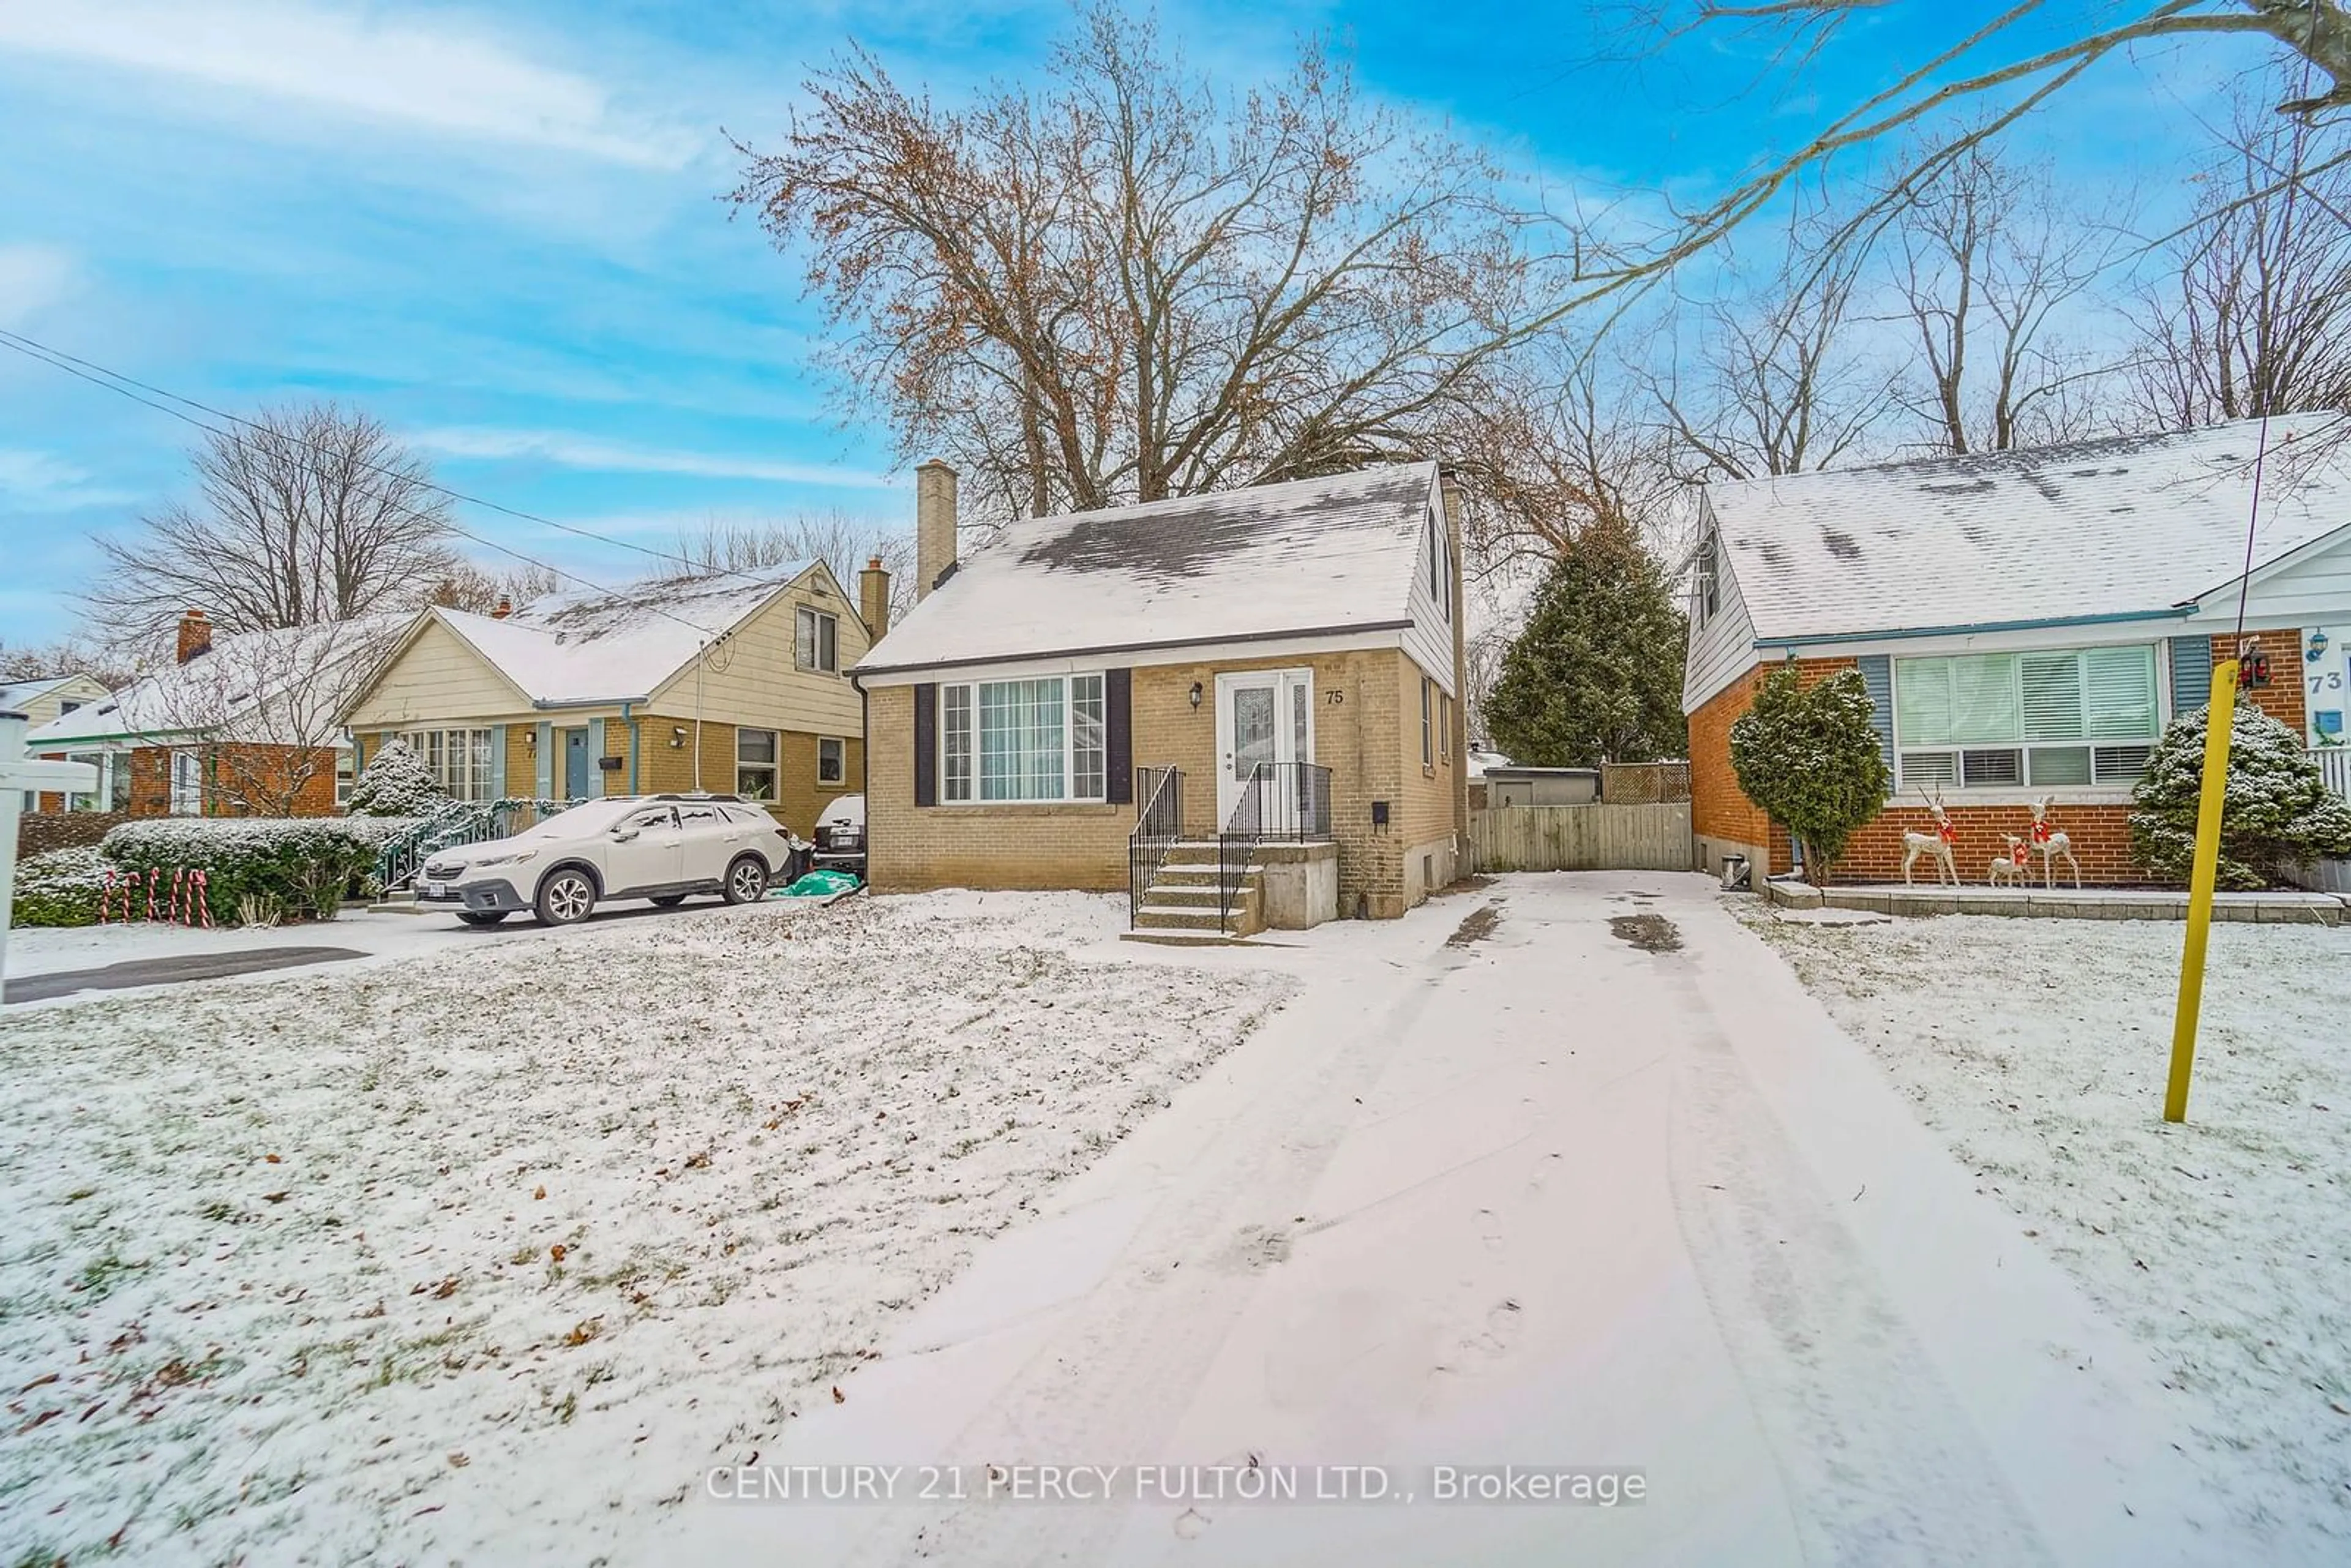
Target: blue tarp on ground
820,885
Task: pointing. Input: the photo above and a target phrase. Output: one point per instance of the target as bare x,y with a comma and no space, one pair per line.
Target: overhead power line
147,394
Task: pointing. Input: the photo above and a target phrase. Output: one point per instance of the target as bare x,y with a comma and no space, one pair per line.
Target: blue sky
497,226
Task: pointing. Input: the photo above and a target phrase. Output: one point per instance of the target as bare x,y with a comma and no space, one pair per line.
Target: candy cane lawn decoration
178,882
2049,843
198,903
155,880
2009,867
1937,844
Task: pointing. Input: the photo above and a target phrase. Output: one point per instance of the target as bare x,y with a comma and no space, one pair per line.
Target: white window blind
2009,720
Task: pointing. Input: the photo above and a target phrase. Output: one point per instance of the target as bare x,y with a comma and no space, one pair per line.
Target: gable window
816,645
459,759
2047,718
830,759
1043,739
1710,578
755,764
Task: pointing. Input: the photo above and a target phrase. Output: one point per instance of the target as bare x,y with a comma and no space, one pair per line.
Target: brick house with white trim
2026,622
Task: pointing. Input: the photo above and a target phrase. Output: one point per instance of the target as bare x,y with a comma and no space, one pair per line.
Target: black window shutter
926,744
1118,736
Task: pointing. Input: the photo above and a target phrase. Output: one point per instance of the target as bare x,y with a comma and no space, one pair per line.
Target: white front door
1264,715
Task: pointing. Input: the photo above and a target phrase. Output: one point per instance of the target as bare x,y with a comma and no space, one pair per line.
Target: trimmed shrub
301,865
1809,756
60,888
2278,810
395,783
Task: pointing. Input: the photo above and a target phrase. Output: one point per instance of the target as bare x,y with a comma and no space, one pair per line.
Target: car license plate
436,889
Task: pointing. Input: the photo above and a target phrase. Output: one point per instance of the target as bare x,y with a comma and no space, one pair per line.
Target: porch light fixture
1195,694
677,737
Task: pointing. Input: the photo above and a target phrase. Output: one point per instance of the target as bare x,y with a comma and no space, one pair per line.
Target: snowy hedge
2278,811
292,867
61,887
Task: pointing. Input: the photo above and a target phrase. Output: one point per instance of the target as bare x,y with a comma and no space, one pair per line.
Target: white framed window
94,800
756,755
459,759
2049,718
187,784
831,760
1427,730
345,776
1709,577
1041,739
817,641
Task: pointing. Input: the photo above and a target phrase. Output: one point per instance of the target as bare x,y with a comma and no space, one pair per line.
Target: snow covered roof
280,687
615,646
17,696
1480,761
1328,555
2133,525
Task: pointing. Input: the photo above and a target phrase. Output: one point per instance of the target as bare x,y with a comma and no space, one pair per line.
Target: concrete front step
1187,938
1207,893
1184,917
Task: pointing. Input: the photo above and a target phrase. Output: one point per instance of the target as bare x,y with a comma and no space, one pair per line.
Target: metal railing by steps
1286,801
1158,825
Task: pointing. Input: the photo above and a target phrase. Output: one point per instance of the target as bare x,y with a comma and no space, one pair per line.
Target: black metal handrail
1289,802
1158,825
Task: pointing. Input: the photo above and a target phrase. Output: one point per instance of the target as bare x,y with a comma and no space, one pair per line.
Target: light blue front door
575,765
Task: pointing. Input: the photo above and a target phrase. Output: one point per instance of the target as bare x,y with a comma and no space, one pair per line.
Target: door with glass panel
1264,717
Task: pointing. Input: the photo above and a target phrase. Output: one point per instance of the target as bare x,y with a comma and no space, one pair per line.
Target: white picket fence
1598,836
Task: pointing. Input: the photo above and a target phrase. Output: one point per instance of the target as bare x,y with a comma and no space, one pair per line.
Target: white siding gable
1429,639
1721,646
2310,589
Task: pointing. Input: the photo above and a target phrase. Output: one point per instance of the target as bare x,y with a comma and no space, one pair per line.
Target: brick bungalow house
50,697
729,682
240,723
1287,644
2026,622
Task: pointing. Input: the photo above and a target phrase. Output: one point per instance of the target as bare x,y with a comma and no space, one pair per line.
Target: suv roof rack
696,795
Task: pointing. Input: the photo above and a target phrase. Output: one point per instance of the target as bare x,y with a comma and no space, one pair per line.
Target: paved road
1596,1186
167,971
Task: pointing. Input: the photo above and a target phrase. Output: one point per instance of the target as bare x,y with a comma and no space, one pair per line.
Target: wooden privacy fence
1599,837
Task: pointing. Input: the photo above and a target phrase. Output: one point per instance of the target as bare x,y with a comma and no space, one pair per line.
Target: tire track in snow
1880,1464
1109,1385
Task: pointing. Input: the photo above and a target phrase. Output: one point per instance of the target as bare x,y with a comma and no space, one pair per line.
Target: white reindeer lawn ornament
1937,844
2049,843
2009,867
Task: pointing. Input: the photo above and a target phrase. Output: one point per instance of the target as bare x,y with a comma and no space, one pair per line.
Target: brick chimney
873,599
195,635
935,525
504,608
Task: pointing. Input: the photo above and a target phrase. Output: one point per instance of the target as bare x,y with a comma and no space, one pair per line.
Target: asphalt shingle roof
2125,525
1333,554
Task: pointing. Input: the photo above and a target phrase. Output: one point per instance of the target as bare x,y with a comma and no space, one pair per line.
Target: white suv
660,847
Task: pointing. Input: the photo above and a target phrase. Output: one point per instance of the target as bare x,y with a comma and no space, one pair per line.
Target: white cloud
32,277
437,75
613,457
38,482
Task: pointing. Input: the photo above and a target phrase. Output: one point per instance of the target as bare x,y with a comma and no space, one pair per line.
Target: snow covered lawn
491,1254
2039,1048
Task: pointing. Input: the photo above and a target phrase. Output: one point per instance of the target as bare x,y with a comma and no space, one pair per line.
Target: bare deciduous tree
263,710
1986,260
2254,316
1950,97
308,513
845,543
1774,383
471,586
1133,282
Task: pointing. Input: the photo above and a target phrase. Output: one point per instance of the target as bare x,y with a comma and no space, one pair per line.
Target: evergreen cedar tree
2278,809
396,782
1596,673
1809,759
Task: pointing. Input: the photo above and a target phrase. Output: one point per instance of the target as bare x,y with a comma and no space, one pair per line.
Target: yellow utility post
2219,719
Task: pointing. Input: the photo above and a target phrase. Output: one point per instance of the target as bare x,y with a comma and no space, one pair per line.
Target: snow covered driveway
489,1255
1568,1172
2039,1050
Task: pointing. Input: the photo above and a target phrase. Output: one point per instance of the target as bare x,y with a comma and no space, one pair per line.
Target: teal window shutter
595,758
1877,675
544,783
497,762
2191,674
